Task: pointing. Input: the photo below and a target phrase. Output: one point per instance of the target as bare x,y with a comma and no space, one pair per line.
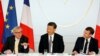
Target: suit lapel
20,42
90,43
83,40
13,43
47,40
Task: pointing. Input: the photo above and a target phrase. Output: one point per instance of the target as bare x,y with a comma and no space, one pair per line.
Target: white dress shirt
16,45
87,46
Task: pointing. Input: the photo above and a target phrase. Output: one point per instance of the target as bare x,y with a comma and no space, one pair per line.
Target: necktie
86,43
16,46
50,44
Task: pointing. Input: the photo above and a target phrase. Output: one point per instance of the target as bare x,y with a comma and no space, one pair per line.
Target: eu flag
10,20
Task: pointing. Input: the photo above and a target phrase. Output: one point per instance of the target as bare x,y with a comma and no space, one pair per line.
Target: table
48,54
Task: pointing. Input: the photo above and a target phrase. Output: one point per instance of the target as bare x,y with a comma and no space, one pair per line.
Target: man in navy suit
51,42
86,44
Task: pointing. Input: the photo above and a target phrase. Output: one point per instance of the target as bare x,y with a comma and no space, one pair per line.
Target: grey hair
16,28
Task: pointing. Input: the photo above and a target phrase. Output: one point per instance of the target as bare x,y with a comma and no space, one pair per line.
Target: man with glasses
16,43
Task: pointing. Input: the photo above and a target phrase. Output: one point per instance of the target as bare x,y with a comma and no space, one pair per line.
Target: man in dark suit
16,43
86,44
51,42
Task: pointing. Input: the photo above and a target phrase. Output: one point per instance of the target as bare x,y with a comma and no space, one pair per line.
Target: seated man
51,42
16,43
86,44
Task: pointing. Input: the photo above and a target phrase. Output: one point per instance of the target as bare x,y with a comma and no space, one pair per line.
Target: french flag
1,26
97,33
26,24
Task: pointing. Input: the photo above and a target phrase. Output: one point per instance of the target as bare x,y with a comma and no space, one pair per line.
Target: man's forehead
18,30
87,31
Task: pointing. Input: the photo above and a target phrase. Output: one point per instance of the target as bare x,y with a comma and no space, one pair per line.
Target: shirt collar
51,36
88,39
17,39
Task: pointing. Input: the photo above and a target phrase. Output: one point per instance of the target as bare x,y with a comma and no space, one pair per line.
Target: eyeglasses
17,32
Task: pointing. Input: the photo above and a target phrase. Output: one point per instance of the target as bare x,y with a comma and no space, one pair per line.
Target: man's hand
8,52
75,53
92,53
25,45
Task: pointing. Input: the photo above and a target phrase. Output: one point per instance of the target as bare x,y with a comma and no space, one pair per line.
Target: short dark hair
90,29
52,24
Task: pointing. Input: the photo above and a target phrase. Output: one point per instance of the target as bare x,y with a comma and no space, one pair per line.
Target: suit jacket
93,45
58,44
10,43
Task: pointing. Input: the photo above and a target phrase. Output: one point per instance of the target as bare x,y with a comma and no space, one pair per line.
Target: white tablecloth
37,54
